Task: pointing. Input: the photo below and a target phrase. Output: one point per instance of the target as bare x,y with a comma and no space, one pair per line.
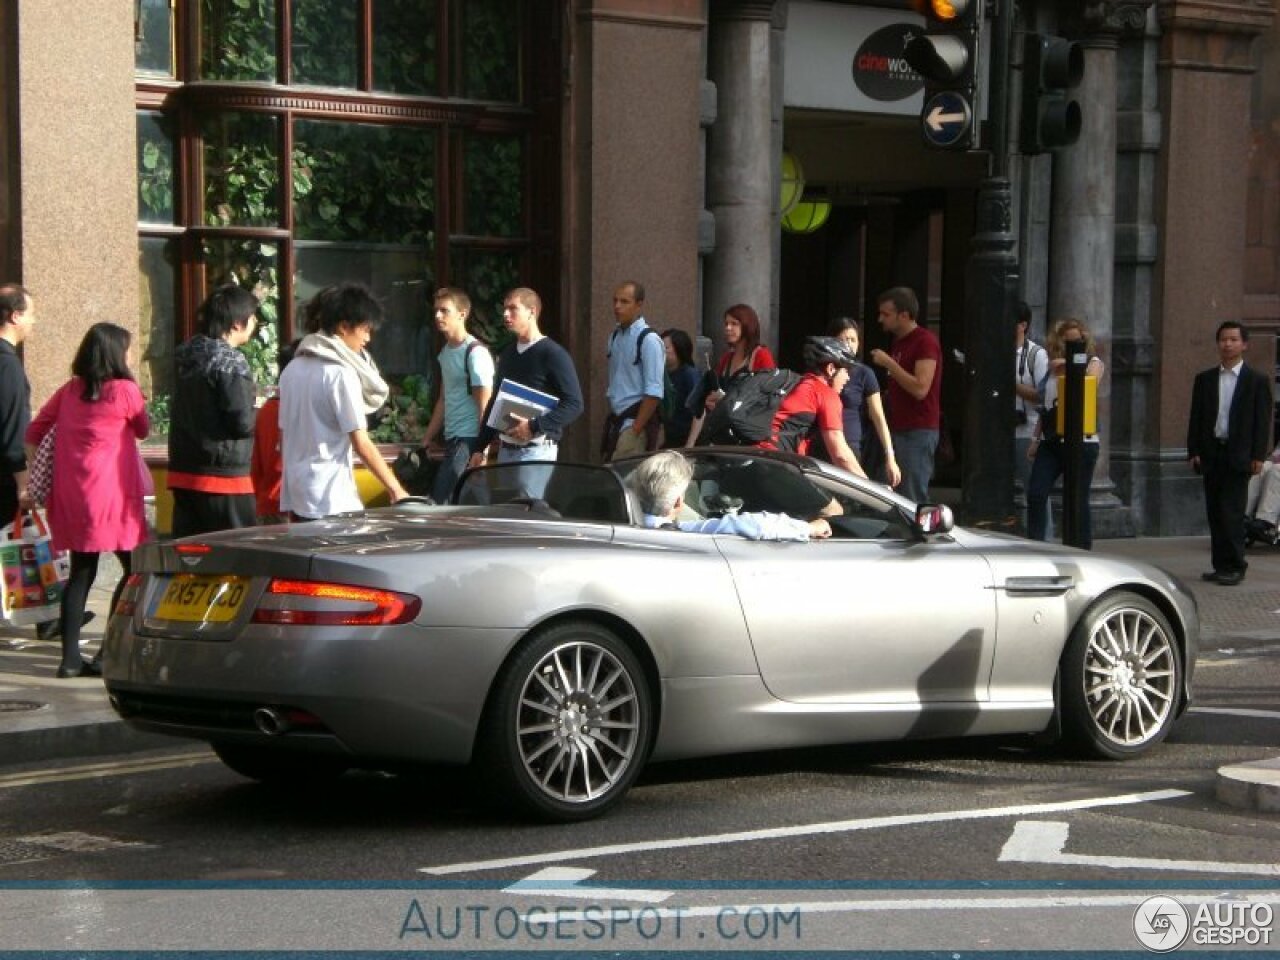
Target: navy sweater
545,366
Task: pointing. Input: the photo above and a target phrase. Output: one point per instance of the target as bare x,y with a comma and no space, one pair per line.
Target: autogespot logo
1161,924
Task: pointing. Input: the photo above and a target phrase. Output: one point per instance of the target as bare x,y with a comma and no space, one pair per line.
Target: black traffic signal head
1051,66
945,54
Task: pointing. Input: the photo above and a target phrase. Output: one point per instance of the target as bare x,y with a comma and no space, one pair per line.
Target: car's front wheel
280,767
569,724
1121,678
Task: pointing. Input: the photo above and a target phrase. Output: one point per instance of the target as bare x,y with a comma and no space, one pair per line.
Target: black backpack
744,415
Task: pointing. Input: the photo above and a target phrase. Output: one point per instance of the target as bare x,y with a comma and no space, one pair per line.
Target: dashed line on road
800,830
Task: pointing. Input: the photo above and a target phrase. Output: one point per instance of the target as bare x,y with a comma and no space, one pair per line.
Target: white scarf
373,389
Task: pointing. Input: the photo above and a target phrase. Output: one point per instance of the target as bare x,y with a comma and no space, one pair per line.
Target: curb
1251,786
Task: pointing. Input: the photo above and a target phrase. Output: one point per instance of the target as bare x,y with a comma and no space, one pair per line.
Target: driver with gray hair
660,484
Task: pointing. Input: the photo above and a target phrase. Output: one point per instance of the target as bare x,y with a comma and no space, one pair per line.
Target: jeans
914,450
533,483
1022,474
1049,465
457,451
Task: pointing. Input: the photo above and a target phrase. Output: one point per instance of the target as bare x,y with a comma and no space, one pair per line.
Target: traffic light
1050,67
946,56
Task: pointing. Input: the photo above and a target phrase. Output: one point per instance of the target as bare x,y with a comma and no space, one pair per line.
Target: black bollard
1073,494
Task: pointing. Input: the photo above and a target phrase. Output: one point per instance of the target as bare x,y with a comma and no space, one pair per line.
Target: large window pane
361,182
251,264
241,175
398,277
155,168
491,49
323,45
153,37
402,346
157,266
404,46
487,275
238,40
493,183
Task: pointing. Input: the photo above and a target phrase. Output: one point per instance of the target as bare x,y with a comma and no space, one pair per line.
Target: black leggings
84,570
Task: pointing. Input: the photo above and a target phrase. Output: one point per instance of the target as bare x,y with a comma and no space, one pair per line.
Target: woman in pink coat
96,501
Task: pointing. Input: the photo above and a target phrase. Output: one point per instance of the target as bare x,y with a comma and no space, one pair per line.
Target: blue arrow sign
946,118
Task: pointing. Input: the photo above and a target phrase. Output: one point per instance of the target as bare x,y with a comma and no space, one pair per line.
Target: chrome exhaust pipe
270,721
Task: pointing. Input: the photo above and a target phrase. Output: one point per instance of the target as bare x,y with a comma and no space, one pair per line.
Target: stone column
1134,404
742,192
1082,237
77,227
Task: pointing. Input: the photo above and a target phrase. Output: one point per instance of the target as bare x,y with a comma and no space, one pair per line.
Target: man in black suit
1227,441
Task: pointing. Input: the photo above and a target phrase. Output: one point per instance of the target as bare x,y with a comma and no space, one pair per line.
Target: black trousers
84,570
1226,493
195,512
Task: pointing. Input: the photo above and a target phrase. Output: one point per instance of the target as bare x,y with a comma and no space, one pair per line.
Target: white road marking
1047,901
1040,841
801,830
566,882
75,841
91,771
1239,712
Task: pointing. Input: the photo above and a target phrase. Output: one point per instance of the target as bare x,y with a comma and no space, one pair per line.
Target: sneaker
51,630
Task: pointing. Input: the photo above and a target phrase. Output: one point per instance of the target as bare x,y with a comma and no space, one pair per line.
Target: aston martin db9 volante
536,629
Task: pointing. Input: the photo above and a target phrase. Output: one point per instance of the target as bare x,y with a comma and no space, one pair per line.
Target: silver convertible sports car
537,629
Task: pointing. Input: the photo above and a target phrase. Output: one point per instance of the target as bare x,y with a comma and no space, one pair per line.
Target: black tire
1121,679
278,767
568,726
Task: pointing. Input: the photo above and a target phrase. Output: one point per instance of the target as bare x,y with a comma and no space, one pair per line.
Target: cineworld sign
879,69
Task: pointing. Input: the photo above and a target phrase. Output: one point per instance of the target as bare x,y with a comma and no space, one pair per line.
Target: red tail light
193,548
128,601
309,603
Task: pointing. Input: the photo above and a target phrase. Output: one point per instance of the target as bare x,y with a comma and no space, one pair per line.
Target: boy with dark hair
327,393
211,425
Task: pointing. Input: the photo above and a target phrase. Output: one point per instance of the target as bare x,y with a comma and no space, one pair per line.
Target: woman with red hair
745,353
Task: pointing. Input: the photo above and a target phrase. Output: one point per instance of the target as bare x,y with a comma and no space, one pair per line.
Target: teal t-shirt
461,373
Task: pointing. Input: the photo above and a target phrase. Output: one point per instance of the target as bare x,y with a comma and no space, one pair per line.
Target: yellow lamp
792,183
807,215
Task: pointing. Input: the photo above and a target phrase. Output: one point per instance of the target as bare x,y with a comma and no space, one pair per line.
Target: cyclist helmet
823,350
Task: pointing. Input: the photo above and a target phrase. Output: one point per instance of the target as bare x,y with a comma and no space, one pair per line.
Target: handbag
34,576
40,469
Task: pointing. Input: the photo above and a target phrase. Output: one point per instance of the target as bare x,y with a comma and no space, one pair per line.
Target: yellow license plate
191,598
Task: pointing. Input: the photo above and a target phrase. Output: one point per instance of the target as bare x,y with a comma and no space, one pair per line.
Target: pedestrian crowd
234,461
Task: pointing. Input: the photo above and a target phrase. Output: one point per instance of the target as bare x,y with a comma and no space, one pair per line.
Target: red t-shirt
905,411
809,409
266,466
761,359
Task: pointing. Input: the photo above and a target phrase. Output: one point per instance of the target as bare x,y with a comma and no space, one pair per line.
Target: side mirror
934,518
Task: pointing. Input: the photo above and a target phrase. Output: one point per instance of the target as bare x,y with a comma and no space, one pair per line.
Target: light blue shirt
752,526
1227,380
631,382
461,418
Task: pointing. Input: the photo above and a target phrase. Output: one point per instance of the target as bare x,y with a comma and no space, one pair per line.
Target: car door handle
1038,586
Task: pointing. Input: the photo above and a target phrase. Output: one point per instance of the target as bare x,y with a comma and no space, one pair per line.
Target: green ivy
408,411
238,40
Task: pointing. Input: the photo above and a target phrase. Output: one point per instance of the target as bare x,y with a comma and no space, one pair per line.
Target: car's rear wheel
569,724
269,765
1121,678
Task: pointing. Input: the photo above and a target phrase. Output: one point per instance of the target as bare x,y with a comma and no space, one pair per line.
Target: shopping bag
34,577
